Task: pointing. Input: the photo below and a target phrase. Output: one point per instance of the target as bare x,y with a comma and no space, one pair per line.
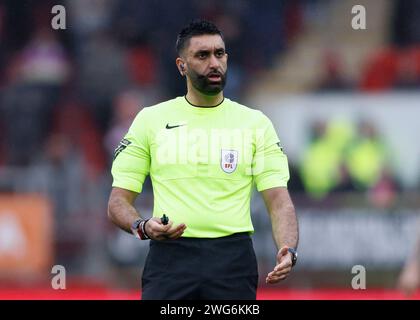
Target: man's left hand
283,267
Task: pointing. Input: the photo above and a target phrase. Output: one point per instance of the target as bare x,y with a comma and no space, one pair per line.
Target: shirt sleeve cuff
271,182
134,186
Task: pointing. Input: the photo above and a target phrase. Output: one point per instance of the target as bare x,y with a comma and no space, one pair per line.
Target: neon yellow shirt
202,163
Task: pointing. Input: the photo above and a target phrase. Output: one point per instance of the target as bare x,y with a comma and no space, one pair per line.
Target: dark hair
196,27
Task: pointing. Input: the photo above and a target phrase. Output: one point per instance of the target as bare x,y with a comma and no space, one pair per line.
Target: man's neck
198,99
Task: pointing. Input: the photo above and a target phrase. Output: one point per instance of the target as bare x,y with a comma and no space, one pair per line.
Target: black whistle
164,219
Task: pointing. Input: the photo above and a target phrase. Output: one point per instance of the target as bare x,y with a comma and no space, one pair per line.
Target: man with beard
203,153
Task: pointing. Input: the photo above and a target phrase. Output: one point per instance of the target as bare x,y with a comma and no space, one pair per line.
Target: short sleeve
269,166
131,162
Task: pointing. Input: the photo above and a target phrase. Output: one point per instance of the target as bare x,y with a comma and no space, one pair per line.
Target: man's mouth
215,77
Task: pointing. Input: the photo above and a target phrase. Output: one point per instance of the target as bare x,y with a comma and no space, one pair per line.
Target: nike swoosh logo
171,127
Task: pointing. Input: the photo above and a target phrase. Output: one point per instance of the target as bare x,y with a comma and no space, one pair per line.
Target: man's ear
181,66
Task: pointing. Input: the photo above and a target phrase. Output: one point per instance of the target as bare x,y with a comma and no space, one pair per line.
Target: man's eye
202,55
220,53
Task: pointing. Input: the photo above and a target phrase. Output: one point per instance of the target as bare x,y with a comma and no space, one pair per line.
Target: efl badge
229,160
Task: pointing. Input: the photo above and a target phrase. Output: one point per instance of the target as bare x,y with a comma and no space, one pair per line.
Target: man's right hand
156,230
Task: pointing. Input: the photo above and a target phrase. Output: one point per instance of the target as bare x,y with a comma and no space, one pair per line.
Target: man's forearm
121,211
284,226
283,217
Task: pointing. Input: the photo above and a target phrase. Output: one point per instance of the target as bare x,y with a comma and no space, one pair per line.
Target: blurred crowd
85,83
341,157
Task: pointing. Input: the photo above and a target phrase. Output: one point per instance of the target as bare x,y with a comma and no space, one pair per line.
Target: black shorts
201,268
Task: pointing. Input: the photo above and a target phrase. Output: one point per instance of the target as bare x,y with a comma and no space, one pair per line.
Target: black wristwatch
294,255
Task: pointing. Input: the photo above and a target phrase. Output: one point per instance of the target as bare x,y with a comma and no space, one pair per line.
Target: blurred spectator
367,157
317,167
383,194
409,279
368,162
322,162
43,60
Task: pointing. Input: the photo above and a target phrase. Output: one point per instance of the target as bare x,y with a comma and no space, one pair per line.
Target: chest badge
229,160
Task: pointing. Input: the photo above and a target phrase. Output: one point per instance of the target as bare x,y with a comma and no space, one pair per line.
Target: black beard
203,84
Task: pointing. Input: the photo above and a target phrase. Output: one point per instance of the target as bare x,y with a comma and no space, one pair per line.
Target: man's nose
214,62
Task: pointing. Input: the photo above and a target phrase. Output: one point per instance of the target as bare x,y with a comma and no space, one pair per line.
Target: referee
203,153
